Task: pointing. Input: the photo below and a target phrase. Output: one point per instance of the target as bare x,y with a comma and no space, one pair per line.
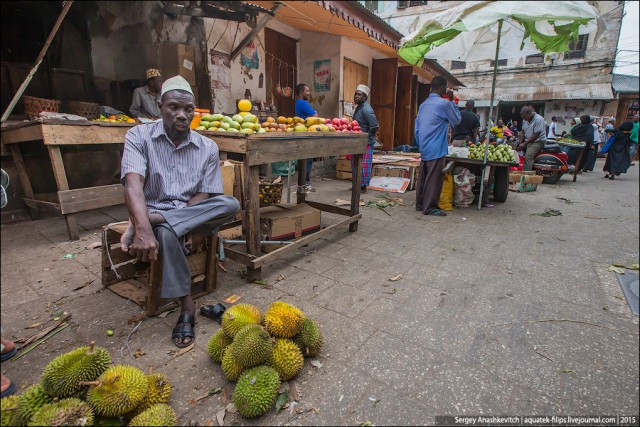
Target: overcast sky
628,56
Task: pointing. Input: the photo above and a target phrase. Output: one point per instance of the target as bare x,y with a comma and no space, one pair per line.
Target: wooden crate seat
142,281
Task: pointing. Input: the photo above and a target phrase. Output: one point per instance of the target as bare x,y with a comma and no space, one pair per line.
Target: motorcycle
551,163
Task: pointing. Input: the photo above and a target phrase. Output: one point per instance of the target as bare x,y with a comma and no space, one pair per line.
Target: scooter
551,163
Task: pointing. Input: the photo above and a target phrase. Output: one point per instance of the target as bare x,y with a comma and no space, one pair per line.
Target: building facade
564,85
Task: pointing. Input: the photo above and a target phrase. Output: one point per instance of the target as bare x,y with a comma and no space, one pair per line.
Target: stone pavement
497,312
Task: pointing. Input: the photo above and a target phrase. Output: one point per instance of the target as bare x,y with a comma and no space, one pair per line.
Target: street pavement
497,312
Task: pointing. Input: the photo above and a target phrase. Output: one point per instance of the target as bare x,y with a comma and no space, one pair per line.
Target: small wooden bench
142,281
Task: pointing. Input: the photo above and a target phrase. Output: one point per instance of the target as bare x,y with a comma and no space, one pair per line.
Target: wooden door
353,75
383,97
281,65
403,134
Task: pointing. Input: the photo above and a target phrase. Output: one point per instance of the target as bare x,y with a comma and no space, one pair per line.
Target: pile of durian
81,388
261,351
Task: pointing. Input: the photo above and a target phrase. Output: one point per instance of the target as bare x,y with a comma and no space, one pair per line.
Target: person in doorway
582,132
532,138
514,128
172,185
592,154
368,122
146,99
498,130
610,129
552,129
434,117
634,139
467,130
303,110
618,159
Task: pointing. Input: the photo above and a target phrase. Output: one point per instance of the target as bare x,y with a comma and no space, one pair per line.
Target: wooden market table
55,134
261,149
498,174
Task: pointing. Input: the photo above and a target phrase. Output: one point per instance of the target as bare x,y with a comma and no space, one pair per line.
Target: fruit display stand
47,136
264,148
498,175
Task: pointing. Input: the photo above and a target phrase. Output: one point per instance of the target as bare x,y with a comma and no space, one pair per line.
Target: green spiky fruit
9,410
67,412
238,316
252,346
159,414
283,320
256,391
62,376
218,342
31,401
158,391
230,367
286,359
309,339
119,390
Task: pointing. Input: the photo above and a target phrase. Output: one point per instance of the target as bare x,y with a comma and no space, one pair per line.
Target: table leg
61,181
251,223
23,176
302,172
578,164
356,186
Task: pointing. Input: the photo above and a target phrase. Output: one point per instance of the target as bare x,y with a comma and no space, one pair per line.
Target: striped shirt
172,175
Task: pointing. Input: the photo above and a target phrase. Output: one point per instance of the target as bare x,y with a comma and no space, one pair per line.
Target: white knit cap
364,89
174,83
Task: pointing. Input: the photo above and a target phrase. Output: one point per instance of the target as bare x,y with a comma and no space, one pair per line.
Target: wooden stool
142,281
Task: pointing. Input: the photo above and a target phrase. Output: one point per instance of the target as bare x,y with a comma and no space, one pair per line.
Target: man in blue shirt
432,124
304,110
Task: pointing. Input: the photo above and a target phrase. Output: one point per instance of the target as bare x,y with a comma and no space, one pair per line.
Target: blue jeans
309,166
633,147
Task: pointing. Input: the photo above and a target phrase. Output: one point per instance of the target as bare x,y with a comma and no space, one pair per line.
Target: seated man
173,185
498,130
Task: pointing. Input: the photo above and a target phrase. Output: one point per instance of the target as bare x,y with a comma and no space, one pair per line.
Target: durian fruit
283,320
256,391
252,346
9,410
159,414
63,375
67,412
119,390
218,342
286,359
31,401
234,318
230,367
158,391
309,339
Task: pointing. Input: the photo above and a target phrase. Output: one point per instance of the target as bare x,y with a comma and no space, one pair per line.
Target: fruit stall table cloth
264,148
52,135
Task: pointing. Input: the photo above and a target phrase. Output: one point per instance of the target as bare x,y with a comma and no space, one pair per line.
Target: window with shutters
578,48
534,59
371,5
405,4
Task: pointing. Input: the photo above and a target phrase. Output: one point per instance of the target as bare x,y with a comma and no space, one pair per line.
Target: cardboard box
172,59
343,175
287,221
397,170
231,184
187,63
389,184
343,165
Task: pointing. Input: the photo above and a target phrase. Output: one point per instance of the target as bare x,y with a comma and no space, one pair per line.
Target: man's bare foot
7,388
127,237
8,345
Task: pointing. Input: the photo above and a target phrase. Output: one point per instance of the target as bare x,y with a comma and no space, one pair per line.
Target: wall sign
249,56
322,75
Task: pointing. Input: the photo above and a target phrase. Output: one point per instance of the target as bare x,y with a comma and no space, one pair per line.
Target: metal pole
288,183
493,91
33,71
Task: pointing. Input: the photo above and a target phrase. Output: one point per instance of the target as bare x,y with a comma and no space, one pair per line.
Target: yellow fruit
270,120
243,113
314,128
283,320
312,121
289,120
324,128
300,128
282,119
244,105
322,121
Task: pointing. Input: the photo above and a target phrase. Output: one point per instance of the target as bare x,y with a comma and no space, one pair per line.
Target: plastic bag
463,190
446,195
282,168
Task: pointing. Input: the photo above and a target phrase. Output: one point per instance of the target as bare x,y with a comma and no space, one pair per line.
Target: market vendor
498,130
533,136
146,99
582,132
172,185
467,130
303,110
368,122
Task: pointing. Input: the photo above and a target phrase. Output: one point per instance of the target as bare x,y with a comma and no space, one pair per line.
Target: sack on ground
463,188
446,195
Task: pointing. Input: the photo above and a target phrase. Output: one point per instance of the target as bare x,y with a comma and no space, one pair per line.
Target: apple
344,121
354,123
336,122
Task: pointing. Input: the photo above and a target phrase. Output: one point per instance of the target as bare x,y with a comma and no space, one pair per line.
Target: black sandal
185,330
214,312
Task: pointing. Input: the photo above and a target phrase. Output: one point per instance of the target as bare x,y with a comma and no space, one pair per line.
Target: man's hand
144,246
520,147
188,241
